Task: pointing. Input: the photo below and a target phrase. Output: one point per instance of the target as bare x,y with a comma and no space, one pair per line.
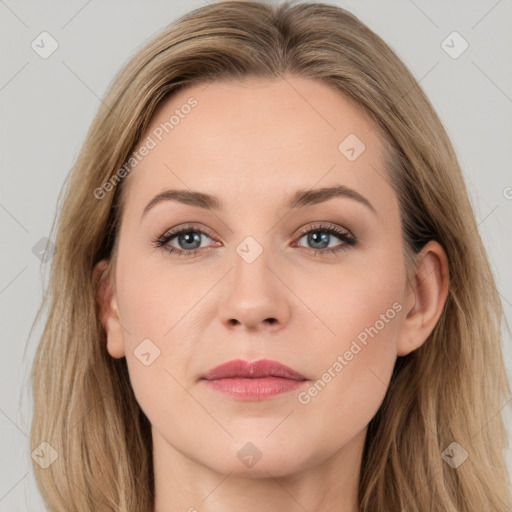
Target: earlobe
108,309
426,298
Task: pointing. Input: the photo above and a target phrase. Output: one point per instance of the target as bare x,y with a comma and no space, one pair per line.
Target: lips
239,368
252,381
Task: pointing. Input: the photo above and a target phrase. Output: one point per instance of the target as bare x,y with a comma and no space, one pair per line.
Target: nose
256,297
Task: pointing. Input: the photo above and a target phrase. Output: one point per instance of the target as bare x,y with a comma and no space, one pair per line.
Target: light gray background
48,105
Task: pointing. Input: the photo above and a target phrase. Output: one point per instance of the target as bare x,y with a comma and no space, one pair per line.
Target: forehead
258,139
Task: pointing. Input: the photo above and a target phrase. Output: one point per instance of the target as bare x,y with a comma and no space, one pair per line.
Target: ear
426,297
109,312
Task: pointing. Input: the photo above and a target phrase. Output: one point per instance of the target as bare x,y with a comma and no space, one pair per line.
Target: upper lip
252,369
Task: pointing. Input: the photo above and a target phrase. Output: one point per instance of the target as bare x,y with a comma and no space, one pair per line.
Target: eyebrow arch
300,199
309,197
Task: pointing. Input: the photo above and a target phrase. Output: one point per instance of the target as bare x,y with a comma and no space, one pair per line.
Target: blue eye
189,238
321,236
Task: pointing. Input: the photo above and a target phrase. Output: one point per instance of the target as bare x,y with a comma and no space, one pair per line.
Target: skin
253,144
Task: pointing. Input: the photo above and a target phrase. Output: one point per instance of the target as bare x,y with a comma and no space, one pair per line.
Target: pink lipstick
257,380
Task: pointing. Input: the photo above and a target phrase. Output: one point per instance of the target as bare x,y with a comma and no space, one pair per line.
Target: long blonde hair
451,389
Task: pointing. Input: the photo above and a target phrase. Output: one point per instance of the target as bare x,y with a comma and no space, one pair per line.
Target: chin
258,460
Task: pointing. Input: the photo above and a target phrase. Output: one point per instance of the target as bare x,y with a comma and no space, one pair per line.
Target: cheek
354,302
354,358
153,297
150,306
353,370
157,344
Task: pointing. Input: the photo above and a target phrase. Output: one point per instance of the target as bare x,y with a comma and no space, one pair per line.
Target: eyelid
176,230
324,225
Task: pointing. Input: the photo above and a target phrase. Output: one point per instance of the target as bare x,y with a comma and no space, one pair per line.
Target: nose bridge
255,296
251,264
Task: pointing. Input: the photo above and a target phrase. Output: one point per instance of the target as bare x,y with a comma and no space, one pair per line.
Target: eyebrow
300,199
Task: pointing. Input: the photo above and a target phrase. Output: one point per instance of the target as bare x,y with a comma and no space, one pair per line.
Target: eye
187,238
321,236
186,241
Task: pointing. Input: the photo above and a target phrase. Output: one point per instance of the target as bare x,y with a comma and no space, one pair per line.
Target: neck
327,483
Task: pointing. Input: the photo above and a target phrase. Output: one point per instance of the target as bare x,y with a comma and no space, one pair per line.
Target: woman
331,339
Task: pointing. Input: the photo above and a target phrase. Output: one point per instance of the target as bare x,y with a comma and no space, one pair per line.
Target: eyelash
348,239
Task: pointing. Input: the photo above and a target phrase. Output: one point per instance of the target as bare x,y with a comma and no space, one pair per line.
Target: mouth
253,381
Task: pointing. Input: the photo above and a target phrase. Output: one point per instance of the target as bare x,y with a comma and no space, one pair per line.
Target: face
273,271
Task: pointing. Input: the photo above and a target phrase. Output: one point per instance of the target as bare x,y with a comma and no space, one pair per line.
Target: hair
450,389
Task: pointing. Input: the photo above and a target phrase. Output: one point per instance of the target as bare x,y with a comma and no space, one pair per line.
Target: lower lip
254,389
